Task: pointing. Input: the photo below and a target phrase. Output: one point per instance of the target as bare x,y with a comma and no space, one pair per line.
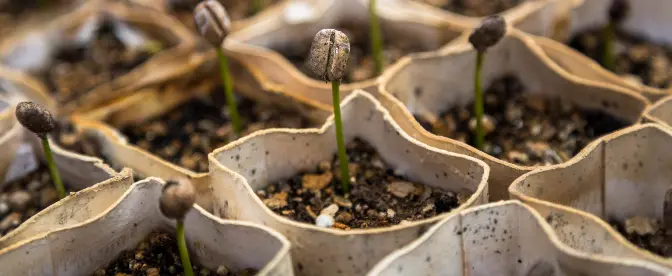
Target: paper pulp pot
83,247
503,238
660,112
646,18
10,137
409,89
617,177
253,162
293,25
33,52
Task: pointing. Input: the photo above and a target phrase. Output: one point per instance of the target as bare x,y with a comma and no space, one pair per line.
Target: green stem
342,156
182,247
608,51
376,38
257,6
478,101
227,82
55,176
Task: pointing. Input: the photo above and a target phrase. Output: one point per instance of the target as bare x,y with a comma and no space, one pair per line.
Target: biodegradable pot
294,24
251,163
516,54
11,136
539,17
616,177
81,248
503,238
660,112
76,208
33,52
647,18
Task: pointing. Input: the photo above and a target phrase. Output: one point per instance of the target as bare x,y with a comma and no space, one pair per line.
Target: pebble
19,200
489,124
400,189
152,272
316,181
641,225
275,203
4,208
517,156
342,201
13,219
391,213
324,221
331,210
428,208
222,270
344,217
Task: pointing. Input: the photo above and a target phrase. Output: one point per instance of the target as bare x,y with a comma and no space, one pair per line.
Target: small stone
489,124
19,200
275,203
12,220
152,271
324,166
204,272
640,225
222,270
400,189
537,148
324,221
391,213
4,208
428,208
517,157
344,217
330,210
316,181
371,213
139,255
342,201
404,222
639,53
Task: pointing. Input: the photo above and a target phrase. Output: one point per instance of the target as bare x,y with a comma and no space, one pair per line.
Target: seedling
39,121
376,38
176,200
618,11
214,24
489,33
328,60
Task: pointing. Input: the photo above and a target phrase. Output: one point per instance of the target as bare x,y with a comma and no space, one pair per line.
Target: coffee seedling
214,24
617,13
376,38
328,60
489,33
39,121
177,198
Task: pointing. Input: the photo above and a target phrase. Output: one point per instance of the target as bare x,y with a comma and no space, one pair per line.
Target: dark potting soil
76,69
647,234
523,128
475,8
642,60
186,134
237,9
360,62
25,197
158,255
68,138
378,198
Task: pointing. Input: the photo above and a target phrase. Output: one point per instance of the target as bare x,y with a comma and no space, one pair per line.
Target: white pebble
324,221
330,210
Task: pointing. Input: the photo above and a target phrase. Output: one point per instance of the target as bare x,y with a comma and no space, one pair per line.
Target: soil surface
25,197
158,255
475,8
186,134
237,9
360,62
647,234
642,61
378,198
76,69
523,128
68,138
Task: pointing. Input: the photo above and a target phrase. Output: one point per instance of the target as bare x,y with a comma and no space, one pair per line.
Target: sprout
214,25
328,60
177,199
618,11
39,121
489,33
376,38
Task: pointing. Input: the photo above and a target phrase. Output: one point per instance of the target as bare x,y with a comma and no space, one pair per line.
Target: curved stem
608,50
342,156
55,176
376,38
227,83
478,101
182,247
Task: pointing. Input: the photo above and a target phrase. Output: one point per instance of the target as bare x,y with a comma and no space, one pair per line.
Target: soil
475,8
25,197
76,69
360,62
68,138
523,128
640,60
158,255
186,134
378,198
237,10
647,234
13,12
